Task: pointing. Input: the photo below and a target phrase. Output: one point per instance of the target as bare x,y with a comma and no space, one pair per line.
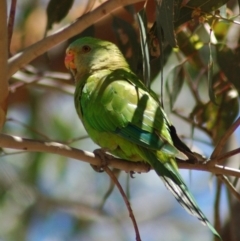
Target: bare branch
131,215
116,173
225,180
30,53
228,154
16,142
3,62
224,139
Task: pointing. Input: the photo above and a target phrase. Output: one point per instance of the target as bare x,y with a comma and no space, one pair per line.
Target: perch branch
19,143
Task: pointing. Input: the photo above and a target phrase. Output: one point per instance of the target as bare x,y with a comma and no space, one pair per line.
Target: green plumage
122,116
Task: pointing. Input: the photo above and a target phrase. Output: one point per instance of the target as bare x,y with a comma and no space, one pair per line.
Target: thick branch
30,53
3,62
16,142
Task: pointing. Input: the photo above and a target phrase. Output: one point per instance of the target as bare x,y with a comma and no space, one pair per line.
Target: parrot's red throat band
69,60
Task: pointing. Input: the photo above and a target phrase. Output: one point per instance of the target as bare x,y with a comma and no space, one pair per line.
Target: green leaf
210,76
142,22
174,83
189,44
205,6
216,119
57,10
165,17
220,29
128,43
228,61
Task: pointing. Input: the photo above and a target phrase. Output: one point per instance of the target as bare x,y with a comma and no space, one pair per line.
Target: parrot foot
132,174
101,153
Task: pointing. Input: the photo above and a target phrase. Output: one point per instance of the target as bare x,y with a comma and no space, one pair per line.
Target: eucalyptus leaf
128,43
174,83
165,15
56,11
142,22
205,6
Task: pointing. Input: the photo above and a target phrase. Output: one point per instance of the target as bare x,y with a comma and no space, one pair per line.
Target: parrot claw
132,174
101,153
97,168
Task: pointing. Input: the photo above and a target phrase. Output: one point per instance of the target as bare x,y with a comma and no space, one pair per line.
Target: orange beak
69,60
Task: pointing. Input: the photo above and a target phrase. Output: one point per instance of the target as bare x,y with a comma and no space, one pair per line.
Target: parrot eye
85,49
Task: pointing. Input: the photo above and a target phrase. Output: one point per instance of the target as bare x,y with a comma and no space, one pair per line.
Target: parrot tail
174,182
184,197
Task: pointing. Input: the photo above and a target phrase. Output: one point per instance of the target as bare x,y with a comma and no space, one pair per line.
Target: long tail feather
184,197
178,188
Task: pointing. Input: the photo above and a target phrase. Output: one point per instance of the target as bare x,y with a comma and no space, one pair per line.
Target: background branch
224,139
124,196
35,50
225,180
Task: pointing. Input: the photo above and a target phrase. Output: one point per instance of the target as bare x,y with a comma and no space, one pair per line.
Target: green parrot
123,116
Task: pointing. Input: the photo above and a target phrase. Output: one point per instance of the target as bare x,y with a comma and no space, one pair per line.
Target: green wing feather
118,105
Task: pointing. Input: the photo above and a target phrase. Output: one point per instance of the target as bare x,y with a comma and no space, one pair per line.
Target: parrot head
87,55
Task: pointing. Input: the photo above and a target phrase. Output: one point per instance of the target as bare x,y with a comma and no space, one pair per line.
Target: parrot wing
122,105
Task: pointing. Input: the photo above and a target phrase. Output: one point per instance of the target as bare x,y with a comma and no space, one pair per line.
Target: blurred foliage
49,197
56,11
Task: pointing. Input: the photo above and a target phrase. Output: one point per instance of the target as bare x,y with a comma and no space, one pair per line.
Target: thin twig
31,129
41,81
192,86
115,172
80,138
230,186
224,139
226,155
10,153
131,215
190,121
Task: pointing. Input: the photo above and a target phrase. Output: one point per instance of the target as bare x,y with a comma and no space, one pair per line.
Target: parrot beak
69,60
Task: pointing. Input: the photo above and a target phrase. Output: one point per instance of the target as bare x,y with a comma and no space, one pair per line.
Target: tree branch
124,196
35,50
222,142
16,142
225,180
3,62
